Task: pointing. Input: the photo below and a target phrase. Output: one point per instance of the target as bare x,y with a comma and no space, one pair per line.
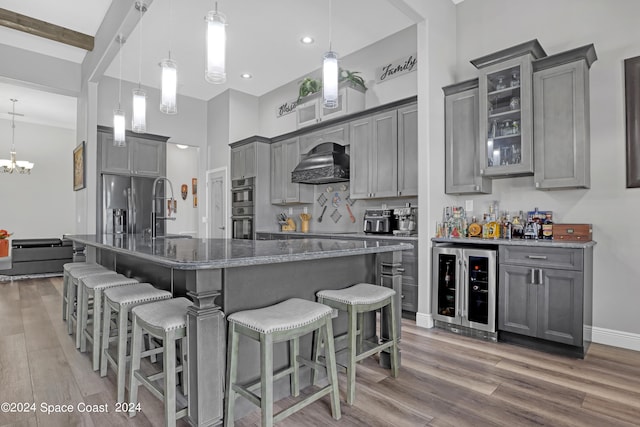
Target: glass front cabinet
506,110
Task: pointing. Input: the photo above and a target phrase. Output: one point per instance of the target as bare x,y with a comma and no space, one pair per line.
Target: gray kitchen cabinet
374,156
338,134
142,155
561,117
408,151
506,110
285,156
546,293
311,110
462,158
243,161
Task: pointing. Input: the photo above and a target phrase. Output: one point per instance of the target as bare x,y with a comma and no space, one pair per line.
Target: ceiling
263,39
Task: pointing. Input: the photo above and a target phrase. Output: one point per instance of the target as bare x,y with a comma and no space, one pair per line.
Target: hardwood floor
445,380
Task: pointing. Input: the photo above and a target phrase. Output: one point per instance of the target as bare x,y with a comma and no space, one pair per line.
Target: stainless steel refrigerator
126,204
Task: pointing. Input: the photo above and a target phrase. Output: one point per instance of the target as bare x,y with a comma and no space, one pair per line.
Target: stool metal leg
232,368
266,374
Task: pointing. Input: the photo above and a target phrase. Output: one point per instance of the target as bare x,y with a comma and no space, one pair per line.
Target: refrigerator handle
463,288
130,208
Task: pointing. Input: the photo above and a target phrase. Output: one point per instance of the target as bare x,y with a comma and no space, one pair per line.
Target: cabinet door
518,300
462,174
291,152
506,119
114,159
243,161
560,302
408,151
148,157
383,168
360,135
561,137
277,171
308,113
237,163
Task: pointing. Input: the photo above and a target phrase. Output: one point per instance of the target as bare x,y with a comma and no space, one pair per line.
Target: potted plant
4,243
309,85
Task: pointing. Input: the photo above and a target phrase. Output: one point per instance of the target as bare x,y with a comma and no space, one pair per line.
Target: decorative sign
397,68
286,108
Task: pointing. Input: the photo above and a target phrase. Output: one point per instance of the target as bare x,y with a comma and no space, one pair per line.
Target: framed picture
78,167
632,106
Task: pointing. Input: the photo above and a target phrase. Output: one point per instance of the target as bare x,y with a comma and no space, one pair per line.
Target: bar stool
121,300
65,283
357,300
285,321
165,320
92,287
72,289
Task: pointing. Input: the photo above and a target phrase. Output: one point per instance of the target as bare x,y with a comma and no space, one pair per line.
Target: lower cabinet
545,293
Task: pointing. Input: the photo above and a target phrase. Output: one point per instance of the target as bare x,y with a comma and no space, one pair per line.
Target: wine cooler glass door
480,289
446,279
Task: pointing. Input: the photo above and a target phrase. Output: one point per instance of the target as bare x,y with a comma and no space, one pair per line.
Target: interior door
217,191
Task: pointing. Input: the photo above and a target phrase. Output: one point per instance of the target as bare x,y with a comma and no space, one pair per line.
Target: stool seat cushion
80,273
362,293
166,315
290,314
106,281
135,294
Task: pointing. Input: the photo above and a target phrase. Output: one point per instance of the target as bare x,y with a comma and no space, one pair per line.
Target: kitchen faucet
154,215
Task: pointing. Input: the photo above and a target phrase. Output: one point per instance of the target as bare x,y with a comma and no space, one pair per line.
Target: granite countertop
515,242
348,235
193,253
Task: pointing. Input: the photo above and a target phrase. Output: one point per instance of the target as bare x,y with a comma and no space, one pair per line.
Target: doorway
217,194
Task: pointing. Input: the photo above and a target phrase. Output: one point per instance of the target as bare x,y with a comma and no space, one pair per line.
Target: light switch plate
468,205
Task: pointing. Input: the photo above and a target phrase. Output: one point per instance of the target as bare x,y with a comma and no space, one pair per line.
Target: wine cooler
464,290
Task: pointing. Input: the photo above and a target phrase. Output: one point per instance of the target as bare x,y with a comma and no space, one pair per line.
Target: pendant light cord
13,126
120,71
330,23
140,46
170,26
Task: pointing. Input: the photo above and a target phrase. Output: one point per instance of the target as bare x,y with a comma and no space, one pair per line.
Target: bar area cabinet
506,110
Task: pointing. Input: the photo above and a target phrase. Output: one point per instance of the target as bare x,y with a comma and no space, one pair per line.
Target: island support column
206,338
390,271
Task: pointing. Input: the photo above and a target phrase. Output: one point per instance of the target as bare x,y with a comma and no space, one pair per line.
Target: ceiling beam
44,29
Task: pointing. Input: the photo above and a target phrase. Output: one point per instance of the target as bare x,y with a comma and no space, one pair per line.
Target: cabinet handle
401,270
537,256
540,282
476,188
533,276
481,171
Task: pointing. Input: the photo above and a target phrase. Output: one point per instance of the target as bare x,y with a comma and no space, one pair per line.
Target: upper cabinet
285,156
506,110
243,161
561,117
462,169
311,111
143,155
384,154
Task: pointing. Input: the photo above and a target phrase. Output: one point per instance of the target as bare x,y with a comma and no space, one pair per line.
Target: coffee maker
407,217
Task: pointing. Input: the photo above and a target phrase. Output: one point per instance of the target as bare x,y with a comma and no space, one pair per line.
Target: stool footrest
306,401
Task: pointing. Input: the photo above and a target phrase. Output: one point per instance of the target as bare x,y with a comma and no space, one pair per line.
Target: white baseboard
424,320
614,338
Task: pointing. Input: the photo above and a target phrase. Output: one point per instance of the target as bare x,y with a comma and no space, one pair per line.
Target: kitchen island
222,276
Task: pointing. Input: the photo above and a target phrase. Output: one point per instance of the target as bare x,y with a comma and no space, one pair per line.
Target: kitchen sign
286,108
397,68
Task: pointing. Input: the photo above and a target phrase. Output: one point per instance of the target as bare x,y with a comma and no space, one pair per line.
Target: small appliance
379,221
406,220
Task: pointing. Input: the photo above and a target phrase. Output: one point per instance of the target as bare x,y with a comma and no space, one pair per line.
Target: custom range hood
326,162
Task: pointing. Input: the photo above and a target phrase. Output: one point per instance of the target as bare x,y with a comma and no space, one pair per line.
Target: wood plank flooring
445,380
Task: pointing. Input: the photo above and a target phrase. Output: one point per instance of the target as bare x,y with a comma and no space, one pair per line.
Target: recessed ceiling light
246,75
182,146
306,40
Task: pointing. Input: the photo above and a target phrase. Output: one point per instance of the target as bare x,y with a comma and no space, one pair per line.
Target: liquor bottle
547,227
475,229
485,226
507,227
517,226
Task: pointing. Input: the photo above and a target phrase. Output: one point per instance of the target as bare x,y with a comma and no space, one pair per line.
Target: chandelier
11,164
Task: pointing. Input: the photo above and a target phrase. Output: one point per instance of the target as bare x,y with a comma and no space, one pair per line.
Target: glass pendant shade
168,104
139,119
216,48
118,128
10,165
330,80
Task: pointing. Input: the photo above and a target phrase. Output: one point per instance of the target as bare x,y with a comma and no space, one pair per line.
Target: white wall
41,204
615,33
366,61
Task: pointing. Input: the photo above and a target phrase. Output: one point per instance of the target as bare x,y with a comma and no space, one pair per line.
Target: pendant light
139,117
118,113
216,47
330,74
10,165
168,103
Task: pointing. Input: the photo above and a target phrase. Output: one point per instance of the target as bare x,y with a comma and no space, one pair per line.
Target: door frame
224,173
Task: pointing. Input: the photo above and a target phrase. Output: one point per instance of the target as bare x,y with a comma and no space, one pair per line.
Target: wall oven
242,213
464,291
